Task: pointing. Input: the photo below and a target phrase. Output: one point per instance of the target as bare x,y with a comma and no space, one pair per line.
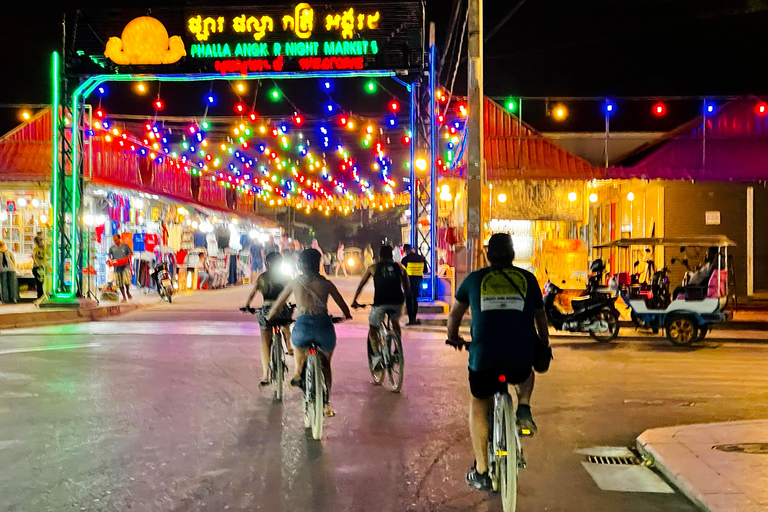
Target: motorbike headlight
286,268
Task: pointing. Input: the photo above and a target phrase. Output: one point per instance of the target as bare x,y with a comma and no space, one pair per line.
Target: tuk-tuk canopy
683,241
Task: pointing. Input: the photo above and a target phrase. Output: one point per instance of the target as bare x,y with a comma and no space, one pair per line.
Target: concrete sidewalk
722,467
14,316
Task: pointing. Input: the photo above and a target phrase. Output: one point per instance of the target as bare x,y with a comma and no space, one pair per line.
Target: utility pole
475,157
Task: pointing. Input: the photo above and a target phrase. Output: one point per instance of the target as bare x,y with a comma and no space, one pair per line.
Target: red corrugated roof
736,149
25,151
514,150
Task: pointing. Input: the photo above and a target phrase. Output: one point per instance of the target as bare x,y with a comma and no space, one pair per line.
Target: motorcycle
162,277
595,314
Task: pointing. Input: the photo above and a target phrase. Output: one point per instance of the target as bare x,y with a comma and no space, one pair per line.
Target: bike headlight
286,268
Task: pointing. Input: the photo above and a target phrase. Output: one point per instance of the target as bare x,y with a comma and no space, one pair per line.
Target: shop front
703,178
189,239
535,191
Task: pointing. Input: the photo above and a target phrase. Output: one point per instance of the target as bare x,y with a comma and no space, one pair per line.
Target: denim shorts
314,328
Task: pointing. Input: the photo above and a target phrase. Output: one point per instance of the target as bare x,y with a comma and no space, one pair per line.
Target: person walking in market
38,264
414,264
9,284
120,259
340,263
367,257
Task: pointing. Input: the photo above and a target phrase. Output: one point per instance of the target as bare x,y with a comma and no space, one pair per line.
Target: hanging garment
127,239
150,242
138,242
199,239
232,269
100,232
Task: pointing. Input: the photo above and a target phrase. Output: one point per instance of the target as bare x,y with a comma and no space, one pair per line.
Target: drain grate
615,461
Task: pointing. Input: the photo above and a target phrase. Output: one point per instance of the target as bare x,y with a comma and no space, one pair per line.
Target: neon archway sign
220,43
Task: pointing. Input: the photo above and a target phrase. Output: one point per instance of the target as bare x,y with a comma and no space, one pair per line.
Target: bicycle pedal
501,453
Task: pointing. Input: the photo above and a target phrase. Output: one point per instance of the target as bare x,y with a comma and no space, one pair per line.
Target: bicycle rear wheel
508,461
396,367
316,393
278,365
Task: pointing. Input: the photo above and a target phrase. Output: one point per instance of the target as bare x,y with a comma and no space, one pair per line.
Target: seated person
700,278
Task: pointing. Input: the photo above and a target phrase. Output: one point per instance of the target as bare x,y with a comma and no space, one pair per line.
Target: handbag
542,353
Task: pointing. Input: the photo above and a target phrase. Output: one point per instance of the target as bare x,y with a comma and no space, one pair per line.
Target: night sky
548,48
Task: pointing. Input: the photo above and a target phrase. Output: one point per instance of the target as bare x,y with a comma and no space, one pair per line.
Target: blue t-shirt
503,325
138,242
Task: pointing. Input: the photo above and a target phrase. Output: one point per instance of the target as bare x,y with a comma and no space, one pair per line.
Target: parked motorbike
162,277
595,314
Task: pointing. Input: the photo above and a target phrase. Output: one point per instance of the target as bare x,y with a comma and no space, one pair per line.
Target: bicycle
277,366
391,350
505,452
314,388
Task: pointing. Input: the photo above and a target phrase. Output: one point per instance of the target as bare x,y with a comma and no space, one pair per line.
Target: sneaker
481,481
525,425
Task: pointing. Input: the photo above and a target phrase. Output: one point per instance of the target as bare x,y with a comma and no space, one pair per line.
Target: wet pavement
159,410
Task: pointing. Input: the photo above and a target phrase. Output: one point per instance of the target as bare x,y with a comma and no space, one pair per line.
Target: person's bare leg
128,291
344,267
122,291
286,330
337,270
374,340
301,358
478,430
525,390
266,344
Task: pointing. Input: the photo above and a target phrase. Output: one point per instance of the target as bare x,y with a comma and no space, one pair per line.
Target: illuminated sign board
240,40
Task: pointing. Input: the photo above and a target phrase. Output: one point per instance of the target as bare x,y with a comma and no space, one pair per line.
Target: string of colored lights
198,158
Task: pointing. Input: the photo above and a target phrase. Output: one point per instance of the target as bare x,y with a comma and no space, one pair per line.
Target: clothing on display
151,242
200,239
138,242
127,239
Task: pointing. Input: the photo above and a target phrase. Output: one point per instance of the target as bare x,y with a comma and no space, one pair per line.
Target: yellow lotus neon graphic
145,41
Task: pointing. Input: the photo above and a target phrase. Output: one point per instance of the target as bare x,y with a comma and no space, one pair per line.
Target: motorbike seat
581,303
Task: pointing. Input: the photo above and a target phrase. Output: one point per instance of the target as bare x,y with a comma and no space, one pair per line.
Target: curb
63,316
649,454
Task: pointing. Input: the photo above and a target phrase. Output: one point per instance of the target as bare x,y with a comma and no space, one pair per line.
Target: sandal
327,412
263,383
296,382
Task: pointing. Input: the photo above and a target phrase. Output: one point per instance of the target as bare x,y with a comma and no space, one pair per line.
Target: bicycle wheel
376,374
318,392
396,367
508,462
278,365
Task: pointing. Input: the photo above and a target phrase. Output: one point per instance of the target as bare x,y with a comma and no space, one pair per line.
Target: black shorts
486,383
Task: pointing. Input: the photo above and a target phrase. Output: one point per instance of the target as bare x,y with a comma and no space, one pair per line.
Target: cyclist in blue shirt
508,319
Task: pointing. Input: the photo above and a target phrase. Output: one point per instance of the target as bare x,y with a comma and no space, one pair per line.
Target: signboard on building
712,218
248,39
10,206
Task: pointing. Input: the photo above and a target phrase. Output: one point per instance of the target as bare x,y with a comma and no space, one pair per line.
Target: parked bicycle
392,358
277,365
505,452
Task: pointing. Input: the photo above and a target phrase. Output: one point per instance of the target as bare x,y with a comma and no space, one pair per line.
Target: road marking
45,349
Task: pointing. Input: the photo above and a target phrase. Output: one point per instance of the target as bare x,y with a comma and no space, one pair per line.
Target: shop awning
689,241
26,156
732,147
25,152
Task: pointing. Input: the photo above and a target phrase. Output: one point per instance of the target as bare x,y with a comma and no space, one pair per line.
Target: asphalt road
159,410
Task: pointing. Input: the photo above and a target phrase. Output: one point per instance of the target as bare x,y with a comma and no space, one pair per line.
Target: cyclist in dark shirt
507,316
390,288
414,264
271,283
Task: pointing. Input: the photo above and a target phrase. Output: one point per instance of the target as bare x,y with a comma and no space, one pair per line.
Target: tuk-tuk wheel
703,331
682,330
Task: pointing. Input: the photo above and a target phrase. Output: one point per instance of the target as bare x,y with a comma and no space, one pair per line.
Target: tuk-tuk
688,313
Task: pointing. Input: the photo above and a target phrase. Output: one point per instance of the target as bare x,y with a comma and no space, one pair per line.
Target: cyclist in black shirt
390,288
